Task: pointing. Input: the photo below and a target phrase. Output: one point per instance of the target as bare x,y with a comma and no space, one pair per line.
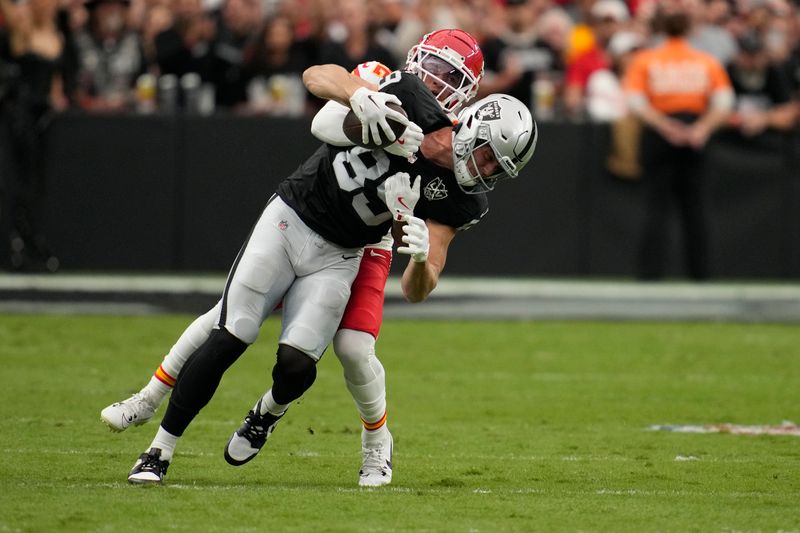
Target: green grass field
498,427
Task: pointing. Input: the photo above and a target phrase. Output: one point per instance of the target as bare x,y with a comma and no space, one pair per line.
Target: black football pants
673,177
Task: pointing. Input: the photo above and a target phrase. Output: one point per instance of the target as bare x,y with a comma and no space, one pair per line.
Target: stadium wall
179,193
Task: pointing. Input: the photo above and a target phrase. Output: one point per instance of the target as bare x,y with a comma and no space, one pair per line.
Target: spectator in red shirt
607,18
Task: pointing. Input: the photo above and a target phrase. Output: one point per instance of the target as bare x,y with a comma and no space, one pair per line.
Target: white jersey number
353,169
393,77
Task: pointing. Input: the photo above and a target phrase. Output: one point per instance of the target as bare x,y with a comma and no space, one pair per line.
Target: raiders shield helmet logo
489,111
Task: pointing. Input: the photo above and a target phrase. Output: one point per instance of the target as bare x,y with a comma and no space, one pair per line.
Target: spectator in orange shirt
682,96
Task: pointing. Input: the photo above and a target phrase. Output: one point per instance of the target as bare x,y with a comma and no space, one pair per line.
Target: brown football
352,128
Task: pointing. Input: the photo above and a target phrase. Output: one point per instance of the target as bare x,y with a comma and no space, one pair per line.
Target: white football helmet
505,125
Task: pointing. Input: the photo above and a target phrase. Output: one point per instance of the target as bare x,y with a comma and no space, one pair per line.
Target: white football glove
408,143
370,108
401,195
416,238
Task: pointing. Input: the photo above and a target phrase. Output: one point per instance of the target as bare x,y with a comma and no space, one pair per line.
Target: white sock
363,373
370,399
268,404
370,437
166,442
155,391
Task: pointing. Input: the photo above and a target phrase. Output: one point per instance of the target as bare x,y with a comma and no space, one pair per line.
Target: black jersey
338,191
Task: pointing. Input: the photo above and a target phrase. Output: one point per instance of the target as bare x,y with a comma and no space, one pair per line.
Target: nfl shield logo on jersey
435,190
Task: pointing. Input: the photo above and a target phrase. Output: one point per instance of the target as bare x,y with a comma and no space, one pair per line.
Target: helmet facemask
468,170
444,71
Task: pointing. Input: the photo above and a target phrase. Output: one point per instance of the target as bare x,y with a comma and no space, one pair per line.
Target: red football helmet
450,62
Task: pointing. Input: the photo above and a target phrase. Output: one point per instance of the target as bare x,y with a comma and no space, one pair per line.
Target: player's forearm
421,277
327,124
418,281
332,82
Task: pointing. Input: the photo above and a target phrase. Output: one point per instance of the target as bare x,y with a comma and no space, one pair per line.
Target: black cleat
248,440
149,469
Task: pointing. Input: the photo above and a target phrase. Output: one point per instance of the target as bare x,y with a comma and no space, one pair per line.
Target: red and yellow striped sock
163,376
374,426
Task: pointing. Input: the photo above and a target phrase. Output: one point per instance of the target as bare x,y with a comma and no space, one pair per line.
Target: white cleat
134,411
376,466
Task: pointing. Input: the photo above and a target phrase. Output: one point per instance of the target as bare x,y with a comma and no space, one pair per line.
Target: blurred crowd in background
562,57
565,59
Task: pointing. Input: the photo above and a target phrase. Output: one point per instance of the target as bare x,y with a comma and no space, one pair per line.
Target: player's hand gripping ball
380,115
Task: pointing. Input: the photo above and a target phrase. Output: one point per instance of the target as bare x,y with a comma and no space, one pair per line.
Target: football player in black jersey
451,64
363,189
313,279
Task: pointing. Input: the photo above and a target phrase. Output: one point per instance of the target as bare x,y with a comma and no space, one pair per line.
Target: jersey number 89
360,171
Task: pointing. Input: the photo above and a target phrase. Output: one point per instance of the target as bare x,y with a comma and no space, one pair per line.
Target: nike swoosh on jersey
348,256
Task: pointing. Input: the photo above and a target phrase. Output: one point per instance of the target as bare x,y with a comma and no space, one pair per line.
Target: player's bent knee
293,362
226,344
245,328
293,374
352,347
